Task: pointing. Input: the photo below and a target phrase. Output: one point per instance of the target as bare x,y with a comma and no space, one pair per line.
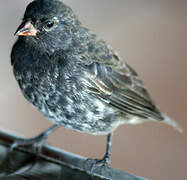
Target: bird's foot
99,166
101,162
36,143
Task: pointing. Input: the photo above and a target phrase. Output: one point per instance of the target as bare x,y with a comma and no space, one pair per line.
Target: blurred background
151,35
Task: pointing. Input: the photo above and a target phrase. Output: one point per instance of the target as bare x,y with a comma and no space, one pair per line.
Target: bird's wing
109,78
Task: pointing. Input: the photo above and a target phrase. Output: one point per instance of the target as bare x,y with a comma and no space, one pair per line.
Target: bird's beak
26,29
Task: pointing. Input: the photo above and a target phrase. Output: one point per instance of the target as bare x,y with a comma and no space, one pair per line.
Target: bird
74,78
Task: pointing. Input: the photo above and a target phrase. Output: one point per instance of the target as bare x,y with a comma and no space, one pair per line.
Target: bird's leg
108,149
104,162
37,141
106,159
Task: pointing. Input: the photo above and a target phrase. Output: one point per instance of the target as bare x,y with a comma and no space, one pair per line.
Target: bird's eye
50,24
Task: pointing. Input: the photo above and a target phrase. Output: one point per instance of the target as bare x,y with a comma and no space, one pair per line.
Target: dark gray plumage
74,78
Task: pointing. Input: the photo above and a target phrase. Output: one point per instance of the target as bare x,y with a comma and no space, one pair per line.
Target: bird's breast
55,89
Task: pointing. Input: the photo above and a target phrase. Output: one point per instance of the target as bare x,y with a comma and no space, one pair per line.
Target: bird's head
49,21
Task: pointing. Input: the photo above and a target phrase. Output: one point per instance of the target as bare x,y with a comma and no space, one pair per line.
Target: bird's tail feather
171,122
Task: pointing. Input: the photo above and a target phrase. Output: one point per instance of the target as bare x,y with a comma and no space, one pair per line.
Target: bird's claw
13,146
99,165
36,143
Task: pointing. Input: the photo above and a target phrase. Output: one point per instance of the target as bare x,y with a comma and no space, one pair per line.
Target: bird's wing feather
116,83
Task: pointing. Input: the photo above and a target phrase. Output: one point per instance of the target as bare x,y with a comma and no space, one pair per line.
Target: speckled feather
76,79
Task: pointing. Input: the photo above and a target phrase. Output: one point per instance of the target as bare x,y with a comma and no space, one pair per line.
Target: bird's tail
171,122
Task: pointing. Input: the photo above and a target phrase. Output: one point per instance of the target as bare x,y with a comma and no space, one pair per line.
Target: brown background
151,35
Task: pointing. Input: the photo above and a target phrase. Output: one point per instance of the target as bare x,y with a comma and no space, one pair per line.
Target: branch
51,163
